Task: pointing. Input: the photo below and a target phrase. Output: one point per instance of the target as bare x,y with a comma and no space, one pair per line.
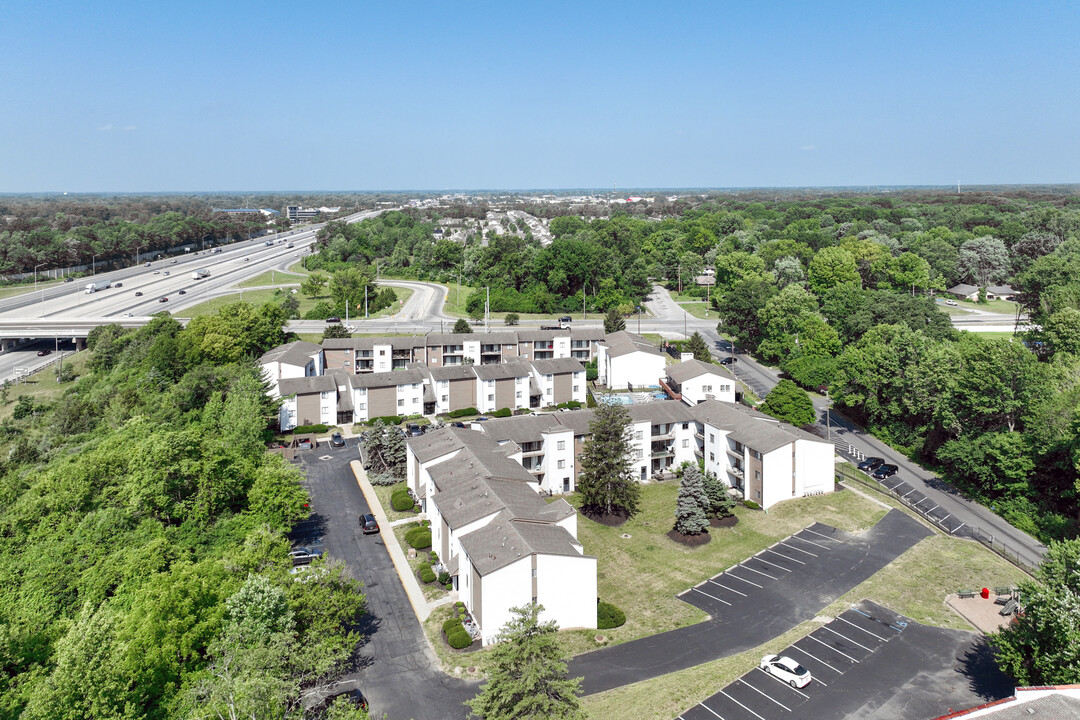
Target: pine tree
691,504
606,481
384,447
462,326
721,504
526,675
613,321
699,347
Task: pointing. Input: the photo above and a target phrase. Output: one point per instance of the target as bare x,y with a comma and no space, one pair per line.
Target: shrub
383,479
401,502
463,412
451,624
502,412
459,605
751,505
449,585
459,640
444,577
434,557
512,318
427,574
419,538
386,419
608,616
306,429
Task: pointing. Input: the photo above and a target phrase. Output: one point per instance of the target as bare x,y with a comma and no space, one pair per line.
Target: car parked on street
369,524
951,303
871,463
336,440
457,424
729,360
333,319
786,670
884,471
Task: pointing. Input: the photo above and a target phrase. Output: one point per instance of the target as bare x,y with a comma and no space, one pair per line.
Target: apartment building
694,381
625,359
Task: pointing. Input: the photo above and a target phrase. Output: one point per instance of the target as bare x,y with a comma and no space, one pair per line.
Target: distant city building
296,213
243,211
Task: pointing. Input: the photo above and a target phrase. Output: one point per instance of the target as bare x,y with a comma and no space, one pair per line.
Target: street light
93,264
35,274
137,252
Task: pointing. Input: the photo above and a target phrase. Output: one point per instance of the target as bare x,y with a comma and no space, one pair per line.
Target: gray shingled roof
623,343
662,411
501,371
558,366
452,372
297,353
525,428
387,379
306,385
505,540
689,369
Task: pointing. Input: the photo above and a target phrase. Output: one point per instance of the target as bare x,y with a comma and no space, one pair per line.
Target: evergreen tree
691,504
613,321
462,326
699,347
384,447
606,482
790,403
721,504
526,676
337,330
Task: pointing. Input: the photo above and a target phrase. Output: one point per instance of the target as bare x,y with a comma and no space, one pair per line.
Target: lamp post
137,252
93,264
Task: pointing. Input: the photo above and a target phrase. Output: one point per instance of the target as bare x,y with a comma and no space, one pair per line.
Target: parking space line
805,552
953,532
823,547
820,535
778,567
932,509
712,596
744,566
784,683
942,520
815,657
727,588
774,552
710,710
766,695
833,649
740,705
744,580
884,639
826,627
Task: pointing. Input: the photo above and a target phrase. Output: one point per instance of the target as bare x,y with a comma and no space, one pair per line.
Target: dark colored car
138,294
414,430
181,292
368,524
336,440
163,299
461,425
333,319
566,318
118,284
306,444
871,463
304,555
43,353
884,471
729,360
481,419
69,279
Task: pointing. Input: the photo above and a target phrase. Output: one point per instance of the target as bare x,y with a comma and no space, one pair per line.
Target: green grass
655,338
996,335
698,309
42,386
684,296
24,288
383,492
274,278
259,297
432,591
298,268
995,306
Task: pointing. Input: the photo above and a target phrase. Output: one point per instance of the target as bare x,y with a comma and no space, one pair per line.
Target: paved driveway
397,671
756,600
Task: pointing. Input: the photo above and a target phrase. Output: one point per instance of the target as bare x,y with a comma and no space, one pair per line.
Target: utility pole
365,303
487,308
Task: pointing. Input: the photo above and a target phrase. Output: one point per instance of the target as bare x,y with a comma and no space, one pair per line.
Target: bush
459,640
383,479
444,577
459,606
502,412
751,505
608,616
427,574
305,429
387,420
463,412
512,318
401,501
451,624
419,538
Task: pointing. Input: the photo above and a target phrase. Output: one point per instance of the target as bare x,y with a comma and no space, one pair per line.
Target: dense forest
142,538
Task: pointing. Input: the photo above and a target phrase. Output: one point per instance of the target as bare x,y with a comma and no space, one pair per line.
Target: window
381,353
712,457
401,402
712,439
491,398
415,400
534,574
519,380
560,445
576,388
706,388
518,394
637,435
686,426
361,406
363,391
686,443
757,476
445,398
547,391
640,453
562,464
566,484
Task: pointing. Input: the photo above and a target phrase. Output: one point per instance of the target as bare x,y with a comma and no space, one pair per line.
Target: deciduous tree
790,403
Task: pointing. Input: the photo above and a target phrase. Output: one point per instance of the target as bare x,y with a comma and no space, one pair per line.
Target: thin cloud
808,148
129,128
105,128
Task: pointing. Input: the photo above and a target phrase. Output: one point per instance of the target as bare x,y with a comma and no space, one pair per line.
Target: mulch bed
613,520
690,540
729,521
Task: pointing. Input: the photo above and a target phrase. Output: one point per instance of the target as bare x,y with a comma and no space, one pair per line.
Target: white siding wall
641,449
287,413
383,358
562,347
637,368
721,388
503,589
776,480
553,474
566,587
577,387
413,396
360,406
484,389
814,467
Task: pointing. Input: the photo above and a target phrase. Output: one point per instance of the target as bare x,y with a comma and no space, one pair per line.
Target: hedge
751,505
387,419
451,624
502,412
463,412
401,501
427,574
608,616
460,640
419,538
306,429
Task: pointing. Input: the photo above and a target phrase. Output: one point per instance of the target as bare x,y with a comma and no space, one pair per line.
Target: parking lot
869,663
925,505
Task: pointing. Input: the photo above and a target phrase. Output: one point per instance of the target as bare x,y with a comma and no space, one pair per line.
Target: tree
347,287
830,267
526,675
790,403
984,260
337,330
314,285
613,321
462,326
1042,645
512,318
1062,331
691,504
697,345
605,482
721,504
384,448
787,270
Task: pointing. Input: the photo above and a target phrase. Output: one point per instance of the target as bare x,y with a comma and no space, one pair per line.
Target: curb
401,564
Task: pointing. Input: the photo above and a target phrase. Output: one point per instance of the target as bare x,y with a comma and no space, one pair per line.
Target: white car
951,302
786,670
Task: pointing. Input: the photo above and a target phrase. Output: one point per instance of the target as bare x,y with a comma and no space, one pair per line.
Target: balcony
669,435
737,454
699,436
737,472
662,453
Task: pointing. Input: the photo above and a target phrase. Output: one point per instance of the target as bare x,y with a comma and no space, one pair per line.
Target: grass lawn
274,278
23,288
259,297
698,309
432,591
995,306
298,268
655,338
641,575
383,492
42,386
996,335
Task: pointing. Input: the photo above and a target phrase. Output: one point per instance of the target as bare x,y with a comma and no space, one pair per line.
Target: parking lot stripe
712,711
766,695
778,567
826,627
784,683
727,588
942,520
740,705
957,528
820,535
823,547
746,567
713,597
804,552
744,580
815,657
863,629
783,556
833,649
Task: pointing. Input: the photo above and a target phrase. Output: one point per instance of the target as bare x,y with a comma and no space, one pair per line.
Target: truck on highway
97,285
200,274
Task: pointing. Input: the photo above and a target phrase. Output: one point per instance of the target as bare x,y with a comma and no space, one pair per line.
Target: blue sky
190,96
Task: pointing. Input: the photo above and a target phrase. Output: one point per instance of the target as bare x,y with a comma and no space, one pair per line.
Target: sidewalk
420,605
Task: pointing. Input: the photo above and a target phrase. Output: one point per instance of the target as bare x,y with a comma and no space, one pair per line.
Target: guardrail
56,358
